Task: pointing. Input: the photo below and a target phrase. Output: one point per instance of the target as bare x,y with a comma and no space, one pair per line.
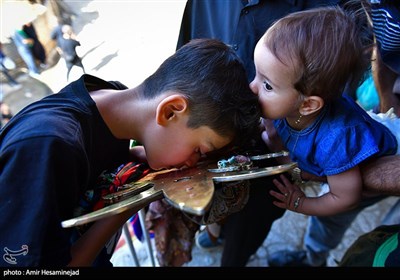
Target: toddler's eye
267,86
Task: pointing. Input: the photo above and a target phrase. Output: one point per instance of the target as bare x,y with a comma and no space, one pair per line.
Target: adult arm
382,176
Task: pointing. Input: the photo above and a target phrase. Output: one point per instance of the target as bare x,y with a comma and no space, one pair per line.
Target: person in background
66,46
3,68
385,16
381,246
39,53
66,140
57,34
6,114
29,48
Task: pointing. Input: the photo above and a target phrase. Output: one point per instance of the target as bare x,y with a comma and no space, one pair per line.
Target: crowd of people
248,60
32,57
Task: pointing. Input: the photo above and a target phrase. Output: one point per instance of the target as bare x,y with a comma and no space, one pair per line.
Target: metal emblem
190,189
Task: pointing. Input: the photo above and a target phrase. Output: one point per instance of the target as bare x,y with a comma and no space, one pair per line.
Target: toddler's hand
290,196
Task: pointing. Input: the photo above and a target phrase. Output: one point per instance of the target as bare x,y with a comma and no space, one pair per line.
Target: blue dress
342,136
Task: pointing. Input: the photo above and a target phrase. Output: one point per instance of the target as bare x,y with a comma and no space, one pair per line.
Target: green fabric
384,250
25,36
22,33
363,251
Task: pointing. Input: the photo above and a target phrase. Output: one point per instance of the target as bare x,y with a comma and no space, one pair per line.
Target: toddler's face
274,85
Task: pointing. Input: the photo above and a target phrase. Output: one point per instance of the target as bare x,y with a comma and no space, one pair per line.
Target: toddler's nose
253,87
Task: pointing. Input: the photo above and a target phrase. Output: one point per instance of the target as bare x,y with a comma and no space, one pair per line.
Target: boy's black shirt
51,152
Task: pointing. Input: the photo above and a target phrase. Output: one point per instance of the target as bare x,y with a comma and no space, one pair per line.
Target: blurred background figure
38,50
6,64
30,48
66,46
6,114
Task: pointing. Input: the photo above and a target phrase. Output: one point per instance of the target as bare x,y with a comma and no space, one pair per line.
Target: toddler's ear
171,108
311,104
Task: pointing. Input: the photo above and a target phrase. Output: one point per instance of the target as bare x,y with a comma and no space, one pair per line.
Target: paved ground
126,42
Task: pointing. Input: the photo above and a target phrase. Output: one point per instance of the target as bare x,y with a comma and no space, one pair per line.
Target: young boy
53,150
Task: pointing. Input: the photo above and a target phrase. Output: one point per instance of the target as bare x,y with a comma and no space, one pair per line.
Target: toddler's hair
328,48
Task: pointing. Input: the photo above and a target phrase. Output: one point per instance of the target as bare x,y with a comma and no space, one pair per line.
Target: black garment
51,152
382,244
246,230
240,24
68,48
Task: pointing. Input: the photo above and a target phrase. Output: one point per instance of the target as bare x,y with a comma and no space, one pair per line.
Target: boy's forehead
213,139
220,141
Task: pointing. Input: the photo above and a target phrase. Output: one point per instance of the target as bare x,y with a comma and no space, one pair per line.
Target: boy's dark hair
212,78
329,48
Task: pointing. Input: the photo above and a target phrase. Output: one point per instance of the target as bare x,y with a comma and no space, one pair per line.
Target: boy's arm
85,250
345,193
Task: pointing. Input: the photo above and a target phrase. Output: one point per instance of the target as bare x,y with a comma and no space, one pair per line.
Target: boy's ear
171,108
311,104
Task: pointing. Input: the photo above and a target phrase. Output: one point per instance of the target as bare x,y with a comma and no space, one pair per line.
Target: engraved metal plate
127,190
140,200
190,190
253,173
